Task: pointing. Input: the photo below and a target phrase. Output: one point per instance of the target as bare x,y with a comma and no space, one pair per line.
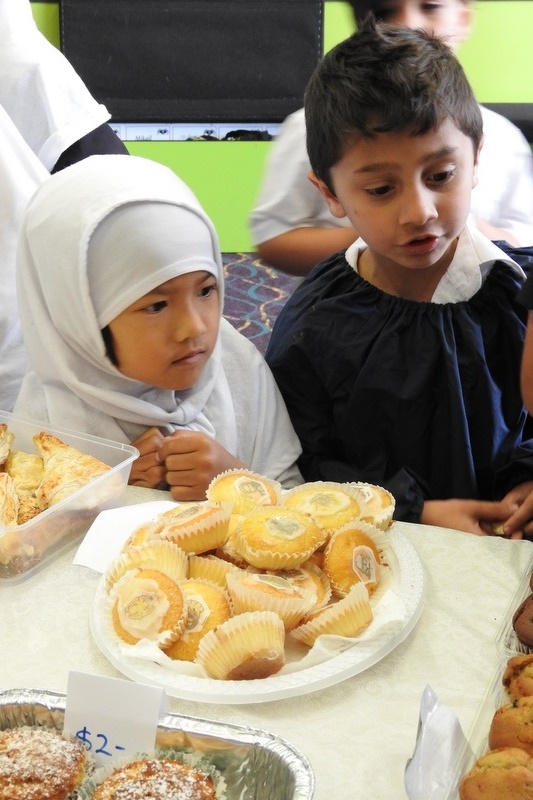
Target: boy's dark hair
385,78
380,9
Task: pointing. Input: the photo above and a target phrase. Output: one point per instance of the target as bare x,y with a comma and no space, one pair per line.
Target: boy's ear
333,204
476,162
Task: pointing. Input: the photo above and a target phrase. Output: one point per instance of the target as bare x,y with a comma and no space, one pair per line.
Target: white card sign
112,717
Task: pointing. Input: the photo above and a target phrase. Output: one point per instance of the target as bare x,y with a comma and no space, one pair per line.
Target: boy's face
448,19
408,197
165,338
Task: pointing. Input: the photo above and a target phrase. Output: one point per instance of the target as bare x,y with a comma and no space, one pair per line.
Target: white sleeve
503,196
266,439
287,198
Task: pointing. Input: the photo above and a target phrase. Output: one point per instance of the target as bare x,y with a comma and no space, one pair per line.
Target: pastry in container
502,774
276,537
518,676
248,646
155,778
244,489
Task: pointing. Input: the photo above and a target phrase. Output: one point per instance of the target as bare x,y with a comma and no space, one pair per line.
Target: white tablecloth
357,734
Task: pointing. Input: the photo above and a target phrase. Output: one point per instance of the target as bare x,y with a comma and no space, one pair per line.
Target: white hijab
20,174
40,90
85,254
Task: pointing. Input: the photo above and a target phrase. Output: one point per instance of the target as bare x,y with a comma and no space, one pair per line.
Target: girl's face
165,338
448,19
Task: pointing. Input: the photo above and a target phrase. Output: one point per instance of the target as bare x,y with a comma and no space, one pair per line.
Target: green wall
225,175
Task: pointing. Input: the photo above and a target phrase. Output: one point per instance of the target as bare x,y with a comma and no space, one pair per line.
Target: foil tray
256,765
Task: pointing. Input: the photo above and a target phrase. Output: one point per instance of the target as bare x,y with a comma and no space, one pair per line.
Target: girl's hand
147,470
191,461
471,516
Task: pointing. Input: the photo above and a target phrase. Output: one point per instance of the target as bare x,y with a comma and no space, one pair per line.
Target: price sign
112,717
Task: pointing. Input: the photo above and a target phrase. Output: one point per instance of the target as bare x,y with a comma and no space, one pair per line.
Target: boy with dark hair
399,359
291,225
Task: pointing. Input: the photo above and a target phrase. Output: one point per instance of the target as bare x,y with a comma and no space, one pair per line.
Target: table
357,734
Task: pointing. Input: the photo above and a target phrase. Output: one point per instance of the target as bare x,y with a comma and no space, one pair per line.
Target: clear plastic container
506,639
27,548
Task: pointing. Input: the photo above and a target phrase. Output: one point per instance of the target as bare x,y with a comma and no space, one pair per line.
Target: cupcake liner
346,617
211,568
164,556
317,577
245,489
263,592
140,607
246,647
377,504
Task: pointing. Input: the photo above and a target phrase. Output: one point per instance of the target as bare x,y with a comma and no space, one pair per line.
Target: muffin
518,676
157,778
347,617
244,489
377,504
208,605
331,505
147,604
352,556
266,592
196,528
211,568
523,621
276,537
308,576
511,726
502,774
245,647
41,764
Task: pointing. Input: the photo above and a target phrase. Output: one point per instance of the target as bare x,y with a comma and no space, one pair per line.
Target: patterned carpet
254,295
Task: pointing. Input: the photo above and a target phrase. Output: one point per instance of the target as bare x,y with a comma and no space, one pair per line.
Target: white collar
473,259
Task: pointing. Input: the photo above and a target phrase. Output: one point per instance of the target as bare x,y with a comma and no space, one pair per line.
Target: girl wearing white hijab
45,97
120,288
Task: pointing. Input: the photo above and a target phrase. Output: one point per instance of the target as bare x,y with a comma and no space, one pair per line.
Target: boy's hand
192,460
471,516
148,470
520,523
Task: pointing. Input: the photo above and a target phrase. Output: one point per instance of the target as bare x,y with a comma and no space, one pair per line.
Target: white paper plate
406,588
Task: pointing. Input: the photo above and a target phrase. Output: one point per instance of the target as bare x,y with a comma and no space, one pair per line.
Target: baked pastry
166,557
511,726
147,604
502,774
352,556
40,764
276,537
331,505
6,442
259,591
9,502
65,469
195,527
211,568
208,605
308,576
245,647
347,617
518,676
157,778
244,489
523,621
378,504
